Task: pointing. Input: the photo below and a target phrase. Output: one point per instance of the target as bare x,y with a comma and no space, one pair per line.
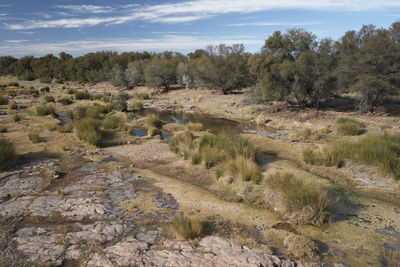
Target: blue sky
39,27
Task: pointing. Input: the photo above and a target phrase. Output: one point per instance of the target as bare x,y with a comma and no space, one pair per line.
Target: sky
40,27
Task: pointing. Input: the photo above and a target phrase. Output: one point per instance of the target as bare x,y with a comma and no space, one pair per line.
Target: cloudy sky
39,27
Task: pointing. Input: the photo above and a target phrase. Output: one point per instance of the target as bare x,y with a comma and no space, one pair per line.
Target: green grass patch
348,126
113,122
306,199
380,150
137,106
87,130
44,110
141,96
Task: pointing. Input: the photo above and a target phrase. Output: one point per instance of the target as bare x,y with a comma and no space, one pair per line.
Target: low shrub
49,99
13,105
306,202
33,92
87,130
153,120
66,128
15,84
137,106
347,126
301,247
45,79
71,91
187,228
3,100
65,101
196,158
141,96
45,89
7,154
82,95
34,137
195,127
380,150
79,112
16,117
113,122
44,110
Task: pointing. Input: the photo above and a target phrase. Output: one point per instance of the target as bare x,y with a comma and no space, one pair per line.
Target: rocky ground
95,220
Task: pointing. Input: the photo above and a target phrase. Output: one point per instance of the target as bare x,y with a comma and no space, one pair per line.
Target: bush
113,122
16,117
33,92
82,95
45,89
66,128
65,101
49,99
141,96
196,158
301,247
137,106
186,227
7,154
347,126
195,127
15,84
13,105
380,150
34,137
87,130
79,112
44,110
153,120
71,91
3,100
307,203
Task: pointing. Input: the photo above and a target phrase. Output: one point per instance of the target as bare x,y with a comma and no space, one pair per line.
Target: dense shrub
3,100
82,95
188,228
305,199
7,154
88,130
347,126
44,110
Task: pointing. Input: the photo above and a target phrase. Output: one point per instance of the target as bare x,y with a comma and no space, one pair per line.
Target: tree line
293,66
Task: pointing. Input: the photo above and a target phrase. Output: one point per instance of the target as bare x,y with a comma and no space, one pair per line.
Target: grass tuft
187,228
7,154
141,96
305,199
153,120
348,126
113,122
137,106
87,130
44,110
34,137
195,127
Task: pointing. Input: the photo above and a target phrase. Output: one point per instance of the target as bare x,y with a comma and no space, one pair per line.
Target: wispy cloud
166,42
28,33
193,10
86,8
275,24
15,41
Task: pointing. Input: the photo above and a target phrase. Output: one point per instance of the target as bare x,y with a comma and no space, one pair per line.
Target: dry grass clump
113,122
3,100
305,202
44,110
3,128
153,120
7,154
308,134
348,126
137,106
301,247
13,105
380,150
326,157
51,126
49,99
16,117
141,96
81,95
187,228
65,101
219,149
194,127
34,137
66,128
87,130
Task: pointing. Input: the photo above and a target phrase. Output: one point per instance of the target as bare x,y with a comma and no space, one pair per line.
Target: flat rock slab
15,206
15,184
163,201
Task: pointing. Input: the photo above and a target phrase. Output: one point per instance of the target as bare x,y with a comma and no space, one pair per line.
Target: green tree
160,73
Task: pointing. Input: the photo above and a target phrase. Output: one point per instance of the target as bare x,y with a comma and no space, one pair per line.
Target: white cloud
15,41
167,42
86,8
275,24
194,10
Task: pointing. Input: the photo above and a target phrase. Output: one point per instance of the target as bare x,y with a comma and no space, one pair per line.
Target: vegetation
87,130
195,127
7,154
65,101
141,96
137,106
3,100
3,128
380,150
347,126
305,199
44,110
153,120
113,122
16,117
187,228
81,95
49,99
66,128
328,157
34,137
